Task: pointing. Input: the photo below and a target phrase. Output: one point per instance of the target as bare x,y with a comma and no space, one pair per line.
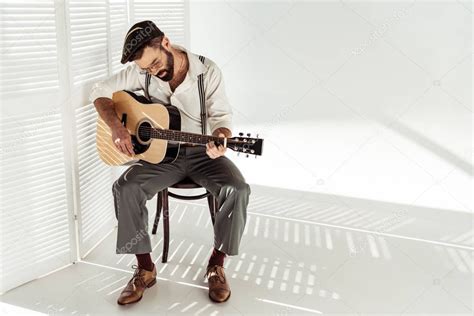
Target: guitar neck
185,137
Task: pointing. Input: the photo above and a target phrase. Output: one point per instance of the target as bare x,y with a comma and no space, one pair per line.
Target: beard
167,73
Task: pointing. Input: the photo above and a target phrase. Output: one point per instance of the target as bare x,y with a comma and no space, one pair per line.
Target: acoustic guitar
156,135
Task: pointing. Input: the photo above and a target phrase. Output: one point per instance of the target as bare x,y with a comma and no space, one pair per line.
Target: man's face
158,62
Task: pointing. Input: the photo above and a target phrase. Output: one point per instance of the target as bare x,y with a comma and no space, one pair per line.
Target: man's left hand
214,151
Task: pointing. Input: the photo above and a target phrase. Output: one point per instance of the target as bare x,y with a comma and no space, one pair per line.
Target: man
174,72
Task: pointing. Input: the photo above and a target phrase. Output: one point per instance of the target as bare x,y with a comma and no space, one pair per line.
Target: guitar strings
148,131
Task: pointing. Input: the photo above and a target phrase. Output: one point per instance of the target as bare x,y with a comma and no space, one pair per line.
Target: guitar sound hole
144,131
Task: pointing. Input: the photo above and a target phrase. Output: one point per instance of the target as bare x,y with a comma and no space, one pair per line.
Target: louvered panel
84,117
40,140
91,167
118,15
43,234
95,183
96,226
34,223
38,224
18,186
88,34
42,256
42,212
23,210
88,190
29,152
28,44
169,16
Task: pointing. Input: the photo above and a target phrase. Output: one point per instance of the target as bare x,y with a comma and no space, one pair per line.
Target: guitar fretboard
179,136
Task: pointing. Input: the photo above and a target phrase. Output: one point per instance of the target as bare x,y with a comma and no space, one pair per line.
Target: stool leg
158,212
166,226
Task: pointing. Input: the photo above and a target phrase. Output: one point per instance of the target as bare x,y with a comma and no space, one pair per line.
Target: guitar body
136,112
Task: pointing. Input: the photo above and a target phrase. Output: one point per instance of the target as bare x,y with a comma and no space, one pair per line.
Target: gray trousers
141,181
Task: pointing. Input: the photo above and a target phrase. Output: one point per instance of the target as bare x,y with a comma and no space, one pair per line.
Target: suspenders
202,99
202,96
147,83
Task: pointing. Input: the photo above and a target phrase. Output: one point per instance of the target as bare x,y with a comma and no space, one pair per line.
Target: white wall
363,99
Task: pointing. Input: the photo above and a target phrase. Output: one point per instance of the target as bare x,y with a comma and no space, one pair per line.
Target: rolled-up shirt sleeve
219,111
126,79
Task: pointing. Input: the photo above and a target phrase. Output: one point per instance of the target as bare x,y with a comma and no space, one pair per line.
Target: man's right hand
122,140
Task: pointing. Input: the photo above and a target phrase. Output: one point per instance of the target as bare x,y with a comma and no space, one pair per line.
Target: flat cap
137,36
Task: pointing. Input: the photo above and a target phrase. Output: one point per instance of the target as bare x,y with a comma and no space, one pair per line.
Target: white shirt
185,97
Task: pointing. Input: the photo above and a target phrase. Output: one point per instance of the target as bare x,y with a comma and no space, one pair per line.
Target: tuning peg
248,134
241,134
247,156
257,136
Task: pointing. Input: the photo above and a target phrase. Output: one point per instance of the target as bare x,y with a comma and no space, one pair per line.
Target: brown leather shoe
141,280
219,290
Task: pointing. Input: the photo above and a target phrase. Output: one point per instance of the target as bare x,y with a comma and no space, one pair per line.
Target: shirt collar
196,67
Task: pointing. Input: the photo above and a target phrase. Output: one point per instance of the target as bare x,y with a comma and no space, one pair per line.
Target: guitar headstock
246,145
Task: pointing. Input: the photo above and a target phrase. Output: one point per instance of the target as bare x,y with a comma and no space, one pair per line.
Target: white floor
302,253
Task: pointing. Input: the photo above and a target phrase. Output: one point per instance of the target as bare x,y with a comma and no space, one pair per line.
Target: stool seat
186,183
163,205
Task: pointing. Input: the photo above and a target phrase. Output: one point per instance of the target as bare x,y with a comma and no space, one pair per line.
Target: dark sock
144,261
217,258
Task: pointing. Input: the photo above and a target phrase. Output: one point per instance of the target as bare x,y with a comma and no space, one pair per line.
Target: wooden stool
163,203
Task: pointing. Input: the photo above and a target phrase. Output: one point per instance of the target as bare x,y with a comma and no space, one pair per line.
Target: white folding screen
89,34
29,54
36,219
52,181
35,228
96,215
118,25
